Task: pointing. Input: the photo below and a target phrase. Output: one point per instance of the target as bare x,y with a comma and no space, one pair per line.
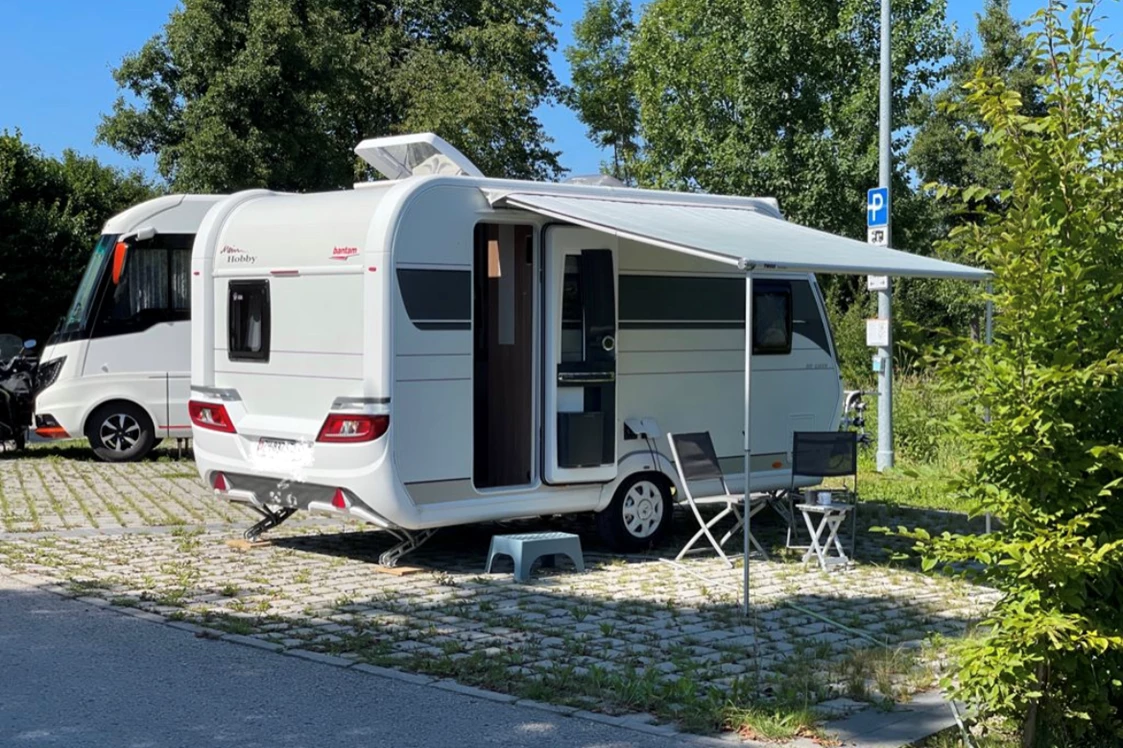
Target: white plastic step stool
525,548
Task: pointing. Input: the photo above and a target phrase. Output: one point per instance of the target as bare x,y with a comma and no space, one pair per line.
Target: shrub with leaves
1044,429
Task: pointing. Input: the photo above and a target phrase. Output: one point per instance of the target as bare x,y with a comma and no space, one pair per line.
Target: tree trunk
1029,726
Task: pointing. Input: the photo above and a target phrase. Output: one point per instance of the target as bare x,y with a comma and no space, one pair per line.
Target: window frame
99,325
233,354
766,287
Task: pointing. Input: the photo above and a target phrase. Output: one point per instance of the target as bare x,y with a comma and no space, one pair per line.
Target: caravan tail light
211,416
220,482
351,428
339,501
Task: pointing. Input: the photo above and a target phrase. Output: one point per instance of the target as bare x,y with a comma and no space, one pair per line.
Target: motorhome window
153,288
772,318
179,281
84,297
573,318
248,314
140,299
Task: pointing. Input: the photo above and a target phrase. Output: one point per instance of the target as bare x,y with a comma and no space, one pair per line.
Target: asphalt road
74,675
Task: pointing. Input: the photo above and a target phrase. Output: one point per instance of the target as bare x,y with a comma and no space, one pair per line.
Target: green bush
1048,462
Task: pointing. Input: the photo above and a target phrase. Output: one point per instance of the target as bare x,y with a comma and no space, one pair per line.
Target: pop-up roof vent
402,156
597,180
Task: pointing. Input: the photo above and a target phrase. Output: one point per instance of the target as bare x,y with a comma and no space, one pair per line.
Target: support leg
270,520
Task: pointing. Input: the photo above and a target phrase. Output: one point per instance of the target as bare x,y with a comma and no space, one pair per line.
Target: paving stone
315,580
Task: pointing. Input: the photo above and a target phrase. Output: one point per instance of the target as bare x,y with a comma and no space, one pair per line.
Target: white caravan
117,368
442,348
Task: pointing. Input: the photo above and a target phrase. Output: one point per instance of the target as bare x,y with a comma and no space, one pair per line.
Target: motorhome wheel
639,515
120,432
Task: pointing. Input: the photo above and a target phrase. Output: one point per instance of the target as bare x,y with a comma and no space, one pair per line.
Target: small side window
248,315
772,318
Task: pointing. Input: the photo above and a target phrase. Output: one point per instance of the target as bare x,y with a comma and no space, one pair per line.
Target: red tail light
210,416
220,482
351,428
339,501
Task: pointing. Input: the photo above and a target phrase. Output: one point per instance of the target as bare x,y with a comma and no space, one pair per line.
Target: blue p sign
877,206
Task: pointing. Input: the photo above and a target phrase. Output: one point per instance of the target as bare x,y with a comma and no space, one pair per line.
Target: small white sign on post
877,283
877,333
877,235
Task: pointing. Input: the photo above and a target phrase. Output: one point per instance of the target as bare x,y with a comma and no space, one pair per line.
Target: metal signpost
880,232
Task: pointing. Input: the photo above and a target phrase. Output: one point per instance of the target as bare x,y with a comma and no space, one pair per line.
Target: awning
740,236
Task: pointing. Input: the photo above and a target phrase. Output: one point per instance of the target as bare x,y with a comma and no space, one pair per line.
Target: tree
1043,427
761,97
51,212
948,150
277,93
603,89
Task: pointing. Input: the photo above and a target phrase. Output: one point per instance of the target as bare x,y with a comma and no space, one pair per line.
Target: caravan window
248,314
772,318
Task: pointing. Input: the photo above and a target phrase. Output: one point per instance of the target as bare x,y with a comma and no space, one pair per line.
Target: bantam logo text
342,253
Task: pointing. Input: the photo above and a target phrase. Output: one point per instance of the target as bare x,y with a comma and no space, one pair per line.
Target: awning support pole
988,338
748,432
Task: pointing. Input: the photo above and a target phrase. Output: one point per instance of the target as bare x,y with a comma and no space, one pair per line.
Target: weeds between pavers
626,638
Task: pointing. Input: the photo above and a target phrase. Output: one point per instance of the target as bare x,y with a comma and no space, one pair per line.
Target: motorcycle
17,389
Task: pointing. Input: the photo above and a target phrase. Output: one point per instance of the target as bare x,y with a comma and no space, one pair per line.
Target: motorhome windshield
77,318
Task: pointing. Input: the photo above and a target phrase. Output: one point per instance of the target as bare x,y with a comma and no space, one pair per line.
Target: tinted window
772,318
573,315
248,313
154,287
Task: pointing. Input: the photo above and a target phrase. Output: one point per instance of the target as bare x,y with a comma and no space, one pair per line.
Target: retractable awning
745,237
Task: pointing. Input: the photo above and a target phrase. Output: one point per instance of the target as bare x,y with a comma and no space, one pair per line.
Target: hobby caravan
116,370
441,348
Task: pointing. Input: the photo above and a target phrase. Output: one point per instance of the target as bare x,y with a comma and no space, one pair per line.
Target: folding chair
696,462
824,454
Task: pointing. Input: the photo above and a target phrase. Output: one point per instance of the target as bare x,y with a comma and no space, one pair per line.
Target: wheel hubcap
119,432
643,509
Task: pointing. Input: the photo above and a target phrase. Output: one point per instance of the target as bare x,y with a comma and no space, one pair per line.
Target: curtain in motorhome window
141,297
180,283
248,313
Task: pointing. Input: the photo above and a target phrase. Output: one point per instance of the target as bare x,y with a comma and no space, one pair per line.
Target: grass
951,738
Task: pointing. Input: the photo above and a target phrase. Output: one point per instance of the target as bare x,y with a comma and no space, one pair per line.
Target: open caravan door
580,356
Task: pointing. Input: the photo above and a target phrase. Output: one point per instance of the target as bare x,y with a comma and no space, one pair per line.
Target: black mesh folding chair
696,463
824,454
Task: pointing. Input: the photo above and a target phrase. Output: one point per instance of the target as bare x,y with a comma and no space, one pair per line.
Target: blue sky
56,57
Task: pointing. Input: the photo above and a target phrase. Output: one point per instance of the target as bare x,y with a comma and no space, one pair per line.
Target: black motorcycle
17,389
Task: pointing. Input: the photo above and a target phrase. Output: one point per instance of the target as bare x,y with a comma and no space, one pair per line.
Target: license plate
287,456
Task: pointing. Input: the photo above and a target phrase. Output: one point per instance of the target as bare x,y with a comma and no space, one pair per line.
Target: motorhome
116,370
440,348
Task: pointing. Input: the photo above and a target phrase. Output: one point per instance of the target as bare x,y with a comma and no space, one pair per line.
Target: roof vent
402,156
595,180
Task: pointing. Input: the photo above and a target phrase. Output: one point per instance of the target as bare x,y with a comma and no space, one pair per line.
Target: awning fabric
743,237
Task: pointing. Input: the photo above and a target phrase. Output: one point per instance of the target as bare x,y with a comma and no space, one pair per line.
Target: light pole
885,297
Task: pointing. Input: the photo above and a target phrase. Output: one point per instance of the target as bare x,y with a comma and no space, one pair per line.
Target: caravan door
580,356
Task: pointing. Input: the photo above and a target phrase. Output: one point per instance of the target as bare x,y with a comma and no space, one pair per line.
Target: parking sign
877,207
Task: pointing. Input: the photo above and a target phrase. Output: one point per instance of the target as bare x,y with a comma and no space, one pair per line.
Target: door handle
585,377
608,343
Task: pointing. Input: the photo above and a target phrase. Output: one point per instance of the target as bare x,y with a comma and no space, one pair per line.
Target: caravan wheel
639,515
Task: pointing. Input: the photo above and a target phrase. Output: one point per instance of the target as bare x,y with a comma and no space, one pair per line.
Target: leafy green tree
1048,461
277,93
603,89
51,212
948,149
780,98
